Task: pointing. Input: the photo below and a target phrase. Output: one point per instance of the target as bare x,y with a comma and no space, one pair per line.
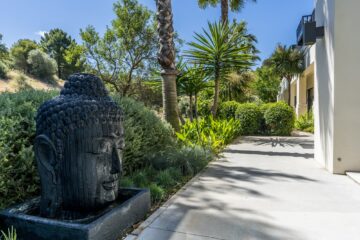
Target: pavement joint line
192,234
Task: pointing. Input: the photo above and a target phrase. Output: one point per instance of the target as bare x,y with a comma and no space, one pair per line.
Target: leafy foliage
266,84
209,133
10,235
220,50
280,118
228,109
18,176
20,54
146,134
286,62
4,59
55,43
305,123
127,48
249,115
42,66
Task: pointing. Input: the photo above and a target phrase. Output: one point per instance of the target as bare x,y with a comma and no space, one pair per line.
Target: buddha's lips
110,184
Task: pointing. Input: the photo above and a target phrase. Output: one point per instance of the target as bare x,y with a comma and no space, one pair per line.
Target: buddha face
91,167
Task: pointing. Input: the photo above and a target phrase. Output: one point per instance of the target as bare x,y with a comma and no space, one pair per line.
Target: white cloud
41,33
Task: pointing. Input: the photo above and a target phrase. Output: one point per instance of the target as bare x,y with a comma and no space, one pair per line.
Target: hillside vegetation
16,81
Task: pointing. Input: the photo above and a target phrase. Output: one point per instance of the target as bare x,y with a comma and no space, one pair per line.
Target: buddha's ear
45,153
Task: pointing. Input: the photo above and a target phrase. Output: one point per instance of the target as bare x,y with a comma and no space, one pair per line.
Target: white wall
347,86
337,86
324,84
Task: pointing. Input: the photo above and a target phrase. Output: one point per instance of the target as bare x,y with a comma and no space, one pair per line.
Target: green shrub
18,175
250,117
3,70
165,179
305,123
145,134
280,117
209,133
228,109
41,65
204,107
157,193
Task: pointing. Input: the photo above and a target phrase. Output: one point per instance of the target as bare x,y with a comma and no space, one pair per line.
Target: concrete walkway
262,188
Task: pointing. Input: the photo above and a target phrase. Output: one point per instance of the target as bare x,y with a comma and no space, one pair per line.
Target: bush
209,133
18,175
280,117
3,70
305,123
204,107
145,134
228,109
42,66
250,117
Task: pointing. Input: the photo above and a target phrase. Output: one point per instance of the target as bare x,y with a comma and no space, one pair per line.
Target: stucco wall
347,86
337,85
324,85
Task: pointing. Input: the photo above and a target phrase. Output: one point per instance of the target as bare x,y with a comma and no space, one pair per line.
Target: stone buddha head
79,139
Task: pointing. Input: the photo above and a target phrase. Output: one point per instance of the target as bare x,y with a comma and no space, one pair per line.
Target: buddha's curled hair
83,101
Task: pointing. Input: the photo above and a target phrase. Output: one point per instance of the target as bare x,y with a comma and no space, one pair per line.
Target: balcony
306,31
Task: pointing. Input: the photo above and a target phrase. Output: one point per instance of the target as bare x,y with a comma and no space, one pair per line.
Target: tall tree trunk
289,83
216,94
224,10
191,108
195,106
166,58
170,104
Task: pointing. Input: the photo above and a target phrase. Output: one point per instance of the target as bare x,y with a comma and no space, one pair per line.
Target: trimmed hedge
279,118
228,109
250,118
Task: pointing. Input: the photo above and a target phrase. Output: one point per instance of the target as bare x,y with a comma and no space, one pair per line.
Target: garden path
261,188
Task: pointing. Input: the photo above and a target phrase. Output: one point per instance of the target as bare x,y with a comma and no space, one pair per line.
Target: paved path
262,188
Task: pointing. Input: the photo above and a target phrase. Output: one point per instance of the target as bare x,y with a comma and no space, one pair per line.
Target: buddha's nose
116,161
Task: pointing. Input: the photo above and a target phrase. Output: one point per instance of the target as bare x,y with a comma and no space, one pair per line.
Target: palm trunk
195,106
170,104
224,10
216,94
166,58
289,99
191,108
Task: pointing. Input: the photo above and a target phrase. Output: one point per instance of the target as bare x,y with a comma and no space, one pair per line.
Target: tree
20,53
127,48
235,6
55,43
219,51
237,86
287,62
74,57
166,58
266,85
190,82
42,66
4,59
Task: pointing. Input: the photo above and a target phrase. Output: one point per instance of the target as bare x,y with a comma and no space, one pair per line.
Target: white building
330,85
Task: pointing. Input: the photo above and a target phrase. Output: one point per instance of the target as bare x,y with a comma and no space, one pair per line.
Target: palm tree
219,52
235,6
191,81
287,62
166,58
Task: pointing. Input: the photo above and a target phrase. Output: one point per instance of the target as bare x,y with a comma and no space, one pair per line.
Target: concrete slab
354,176
262,188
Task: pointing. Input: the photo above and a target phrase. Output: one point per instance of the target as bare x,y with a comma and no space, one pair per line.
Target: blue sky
272,21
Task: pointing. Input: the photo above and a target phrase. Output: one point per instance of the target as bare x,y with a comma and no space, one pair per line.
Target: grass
17,80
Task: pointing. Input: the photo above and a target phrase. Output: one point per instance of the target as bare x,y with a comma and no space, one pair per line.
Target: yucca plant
220,51
10,235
